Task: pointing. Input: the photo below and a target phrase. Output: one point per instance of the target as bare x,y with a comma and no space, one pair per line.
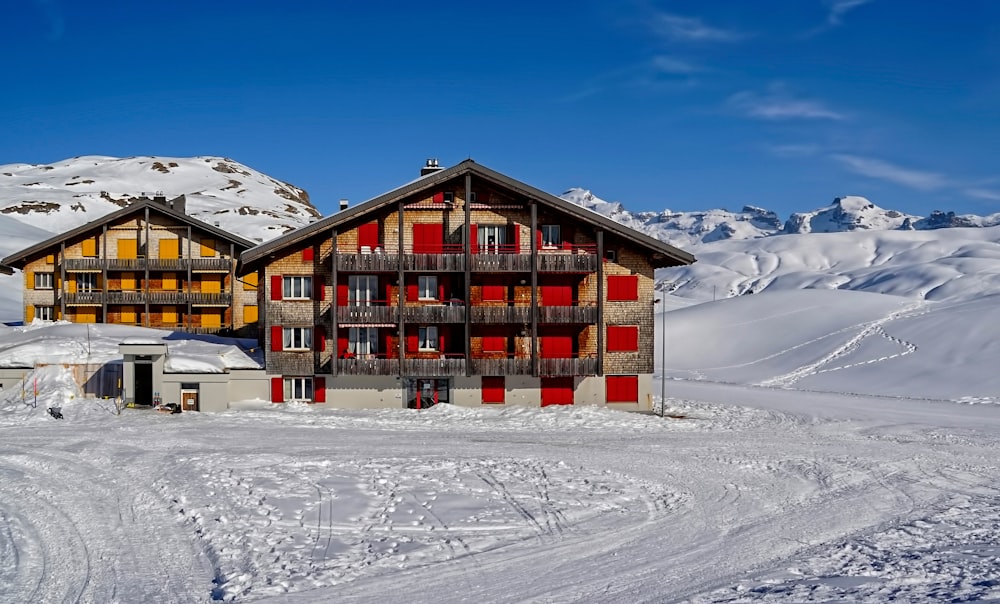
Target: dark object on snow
55,412
170,408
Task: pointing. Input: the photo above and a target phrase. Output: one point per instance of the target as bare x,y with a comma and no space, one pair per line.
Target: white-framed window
427,338
298,389
449,196
551,235
45,313
473,197
297,288
43,280
296,338
491,238
362,290
86,282
427,287
362,340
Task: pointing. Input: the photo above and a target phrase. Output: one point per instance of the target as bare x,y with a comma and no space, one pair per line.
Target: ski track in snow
875,328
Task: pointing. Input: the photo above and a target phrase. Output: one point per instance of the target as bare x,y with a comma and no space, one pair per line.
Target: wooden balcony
125,297
434,367
434,262
438,313
140,297
508,366
567,314
368,263
84,298
211,265
83,265
363,366
501,263
501,314
203,299
367,314
576,261
574,366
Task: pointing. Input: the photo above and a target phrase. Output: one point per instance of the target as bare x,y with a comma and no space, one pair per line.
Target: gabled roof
19,259
672,256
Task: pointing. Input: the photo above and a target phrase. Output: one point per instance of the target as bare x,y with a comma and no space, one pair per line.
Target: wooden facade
148,265
454,285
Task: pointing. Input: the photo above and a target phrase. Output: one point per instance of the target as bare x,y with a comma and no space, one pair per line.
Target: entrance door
422,393
143,384
189,400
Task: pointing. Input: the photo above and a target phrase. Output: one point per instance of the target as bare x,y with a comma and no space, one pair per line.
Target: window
296,338
362,340
45,313
494,389
551,235
491,238
297,288
622,388
473,197
623,288
611,255
623,338
427,287
43,281
427,338
86,282
362,290
298,389
449,197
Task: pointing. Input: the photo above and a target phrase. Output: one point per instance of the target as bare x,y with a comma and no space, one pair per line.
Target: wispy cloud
793,149
674,65
984,194
661,72
839,8
781,107
691,29
883,170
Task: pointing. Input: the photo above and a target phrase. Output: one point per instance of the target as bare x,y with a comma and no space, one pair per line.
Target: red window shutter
494,344
442,283
307,255
276,293
623,288
319,288
623,338
412,342
622,388
342,345
538,236
439,197
428,238
441,346
516,238
494,293
277,390
557,391
368,235
494,389
342,294
474,238
320,336
277,342
319,389
411,292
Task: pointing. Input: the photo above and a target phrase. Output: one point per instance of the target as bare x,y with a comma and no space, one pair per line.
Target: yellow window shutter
169,315
250,281
50,259
29,279
211,318
86,315
211,284
250,314
207,248
128,248
29,313
90,247
71,284
128,281
169,249
169,281
128,314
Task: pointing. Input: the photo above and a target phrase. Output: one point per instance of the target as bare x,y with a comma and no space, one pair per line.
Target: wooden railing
434,262
585,366
500,314
447,365
498,263
83,264
566,262
434,314
508,366
567,314
153,297
365,366
153,264
368,263
367,314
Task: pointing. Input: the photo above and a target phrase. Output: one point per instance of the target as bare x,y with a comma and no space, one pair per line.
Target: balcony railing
83,264
125,297
217,265
367,314
206,299
508,366
567,314
153,297
84,298
368,366
368,262
434,314
447,365
500,314
585,366
434,262
498,263
563,262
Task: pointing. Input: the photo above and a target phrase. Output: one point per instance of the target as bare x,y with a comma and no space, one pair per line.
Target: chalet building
148,264
463,286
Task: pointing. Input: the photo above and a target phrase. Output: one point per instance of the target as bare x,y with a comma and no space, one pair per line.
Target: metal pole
663,356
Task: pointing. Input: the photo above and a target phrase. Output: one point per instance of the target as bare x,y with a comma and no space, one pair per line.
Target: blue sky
680,105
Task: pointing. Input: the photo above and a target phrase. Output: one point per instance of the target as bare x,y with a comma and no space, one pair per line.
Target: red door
557,391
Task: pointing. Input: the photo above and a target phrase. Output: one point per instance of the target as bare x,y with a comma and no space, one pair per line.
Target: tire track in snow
874,328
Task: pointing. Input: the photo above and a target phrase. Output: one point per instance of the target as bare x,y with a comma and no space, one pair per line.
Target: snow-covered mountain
66,194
